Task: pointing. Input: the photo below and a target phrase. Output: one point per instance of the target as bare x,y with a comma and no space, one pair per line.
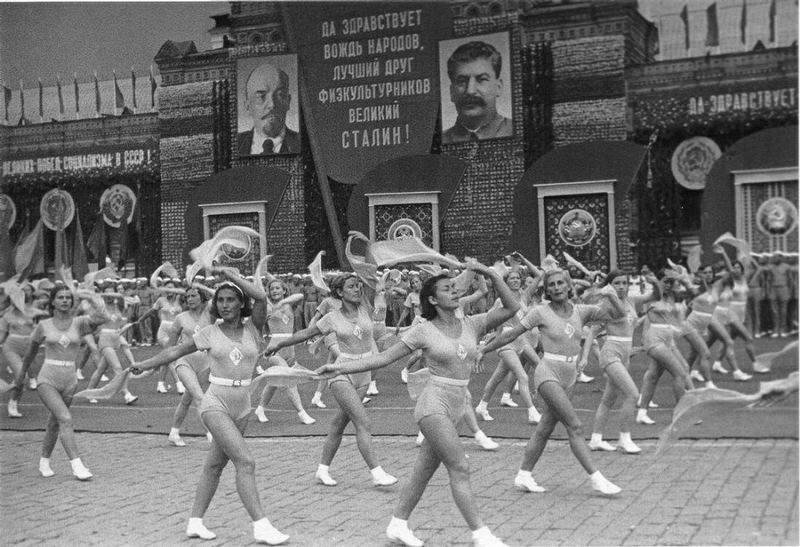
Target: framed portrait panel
475,79
267,106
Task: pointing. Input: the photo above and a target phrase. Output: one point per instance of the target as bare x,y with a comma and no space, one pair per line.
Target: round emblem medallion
57,209
238,253
8,211
577,227
404,228
118,203
776,217
692,161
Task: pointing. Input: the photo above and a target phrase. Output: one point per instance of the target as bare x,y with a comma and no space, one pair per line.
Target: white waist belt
216,380
109,331
702,313
619,338
57,363
449,381
281,335
561,358
354,356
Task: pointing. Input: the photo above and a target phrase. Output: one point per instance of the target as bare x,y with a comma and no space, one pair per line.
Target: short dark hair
466,53
613,274
428,289
247,307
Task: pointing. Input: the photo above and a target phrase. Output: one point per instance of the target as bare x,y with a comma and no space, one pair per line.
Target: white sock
625,437
77,465
480,436
174,432
482,533
522,474
323,469
641,412
377,472
481,406
398,522
597,437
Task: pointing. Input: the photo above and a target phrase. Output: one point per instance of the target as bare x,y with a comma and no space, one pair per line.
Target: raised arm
496,316
250,289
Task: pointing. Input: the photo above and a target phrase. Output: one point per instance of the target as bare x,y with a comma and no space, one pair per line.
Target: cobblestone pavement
699,492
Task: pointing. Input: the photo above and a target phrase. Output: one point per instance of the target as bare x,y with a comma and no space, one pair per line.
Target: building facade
609,145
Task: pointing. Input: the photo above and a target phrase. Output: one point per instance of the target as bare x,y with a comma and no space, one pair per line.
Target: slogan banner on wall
372,73
117,159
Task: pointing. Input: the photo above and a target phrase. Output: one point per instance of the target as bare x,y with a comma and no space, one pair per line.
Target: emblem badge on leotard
235,356
461,351
357,332
64,341
285,319
570,330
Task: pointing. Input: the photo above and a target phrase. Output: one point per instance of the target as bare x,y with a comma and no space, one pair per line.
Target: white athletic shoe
179,387
602,446
741,376
13,412
627,445
483,413
420,439
324,477
265,532
373,389
316,401
259,412
404,377
603,485
79,373
305,418
534,417
506,400
585,378
196,529
696,376
527,483
399,531
176,440
485,442
717,367
643,418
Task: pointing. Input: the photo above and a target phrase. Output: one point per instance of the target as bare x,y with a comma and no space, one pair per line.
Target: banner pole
316,151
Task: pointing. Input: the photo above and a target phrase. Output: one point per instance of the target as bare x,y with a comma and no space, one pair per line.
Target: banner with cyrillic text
372,74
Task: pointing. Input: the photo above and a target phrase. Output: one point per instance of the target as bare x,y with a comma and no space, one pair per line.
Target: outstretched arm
386,357
165,356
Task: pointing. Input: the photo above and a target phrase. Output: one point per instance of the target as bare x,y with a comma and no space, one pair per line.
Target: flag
80,264
21,104
41,100
6,99
77,95
97,242
743,22
712,28
97,95
60,96
6,252
133,85
772,9
29,257
153,88
685,19
62,253
119,100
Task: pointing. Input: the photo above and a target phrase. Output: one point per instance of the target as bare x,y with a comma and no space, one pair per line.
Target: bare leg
228,444
559,408
350,409
59,409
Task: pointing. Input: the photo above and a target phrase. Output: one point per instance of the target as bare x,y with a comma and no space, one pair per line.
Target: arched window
256,38
495,9
472,11
275,36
